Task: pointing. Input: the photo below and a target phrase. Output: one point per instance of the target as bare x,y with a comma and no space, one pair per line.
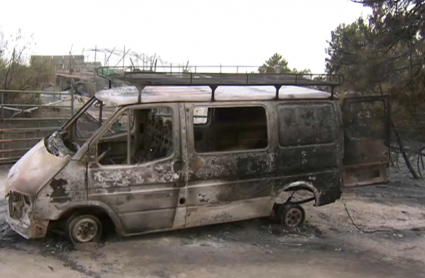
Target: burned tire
291,216
83,228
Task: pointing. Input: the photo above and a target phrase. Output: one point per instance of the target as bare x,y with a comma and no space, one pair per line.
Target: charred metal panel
365,174
226,177
65,190
365,151
216,192
147,221
34,170
245,164
306,123
323,183
309,147
144,195
308,138
233,211
366,140
137,197
306,159
137,193
102,177
231,185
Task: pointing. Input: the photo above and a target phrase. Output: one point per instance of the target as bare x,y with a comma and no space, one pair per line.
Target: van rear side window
302,124
231,129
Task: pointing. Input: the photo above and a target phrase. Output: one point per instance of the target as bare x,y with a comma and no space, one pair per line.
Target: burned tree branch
403,152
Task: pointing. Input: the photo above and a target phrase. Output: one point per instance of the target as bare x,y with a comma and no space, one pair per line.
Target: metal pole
128,138
54,90
2,117
100,113
72,102
123,58
2,104
95,84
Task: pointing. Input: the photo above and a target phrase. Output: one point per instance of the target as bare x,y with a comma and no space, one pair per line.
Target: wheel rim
293,217
85,230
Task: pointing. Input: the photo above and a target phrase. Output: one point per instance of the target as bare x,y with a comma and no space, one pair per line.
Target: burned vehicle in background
173,151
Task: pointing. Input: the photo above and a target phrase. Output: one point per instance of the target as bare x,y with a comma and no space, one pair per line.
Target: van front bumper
26,227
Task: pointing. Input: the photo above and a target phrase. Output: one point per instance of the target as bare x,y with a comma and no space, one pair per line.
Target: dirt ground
389,242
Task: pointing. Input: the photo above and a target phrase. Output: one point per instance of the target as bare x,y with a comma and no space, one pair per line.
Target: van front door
134,171
366,140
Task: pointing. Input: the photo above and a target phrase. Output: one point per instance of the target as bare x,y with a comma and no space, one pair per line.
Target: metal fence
28,116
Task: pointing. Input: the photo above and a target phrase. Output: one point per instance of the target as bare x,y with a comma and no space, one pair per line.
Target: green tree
352,53
275,64
278,64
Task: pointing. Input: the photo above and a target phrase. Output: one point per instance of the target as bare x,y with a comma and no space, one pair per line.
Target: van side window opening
231,129
366,119
149,137
301,124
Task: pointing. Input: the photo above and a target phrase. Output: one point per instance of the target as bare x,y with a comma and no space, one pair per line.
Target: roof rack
141,78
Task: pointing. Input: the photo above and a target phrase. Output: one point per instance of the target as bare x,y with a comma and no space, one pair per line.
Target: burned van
173,151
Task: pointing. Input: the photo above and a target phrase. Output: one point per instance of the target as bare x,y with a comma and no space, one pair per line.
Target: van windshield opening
91,116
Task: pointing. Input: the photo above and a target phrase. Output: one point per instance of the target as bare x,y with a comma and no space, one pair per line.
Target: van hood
34,170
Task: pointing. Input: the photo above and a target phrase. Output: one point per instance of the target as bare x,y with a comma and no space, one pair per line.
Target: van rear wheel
83,228
291,216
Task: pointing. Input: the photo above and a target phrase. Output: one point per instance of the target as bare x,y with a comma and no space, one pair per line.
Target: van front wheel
291,216
84,228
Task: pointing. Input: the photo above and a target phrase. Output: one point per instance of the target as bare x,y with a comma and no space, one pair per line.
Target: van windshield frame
77,115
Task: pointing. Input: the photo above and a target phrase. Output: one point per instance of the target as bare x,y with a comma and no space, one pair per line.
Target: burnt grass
401,189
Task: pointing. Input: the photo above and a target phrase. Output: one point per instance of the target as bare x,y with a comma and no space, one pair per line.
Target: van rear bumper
328,196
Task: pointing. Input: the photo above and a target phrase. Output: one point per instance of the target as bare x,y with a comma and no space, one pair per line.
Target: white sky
202,32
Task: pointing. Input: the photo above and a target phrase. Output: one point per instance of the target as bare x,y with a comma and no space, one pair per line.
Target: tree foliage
17,71
385,54
278,64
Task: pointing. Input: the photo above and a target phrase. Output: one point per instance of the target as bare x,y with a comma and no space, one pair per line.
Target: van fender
300,185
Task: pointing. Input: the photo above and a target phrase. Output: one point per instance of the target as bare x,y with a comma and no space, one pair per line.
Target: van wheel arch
100,211
297,186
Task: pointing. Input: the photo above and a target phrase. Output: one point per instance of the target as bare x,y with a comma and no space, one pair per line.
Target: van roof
156,94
